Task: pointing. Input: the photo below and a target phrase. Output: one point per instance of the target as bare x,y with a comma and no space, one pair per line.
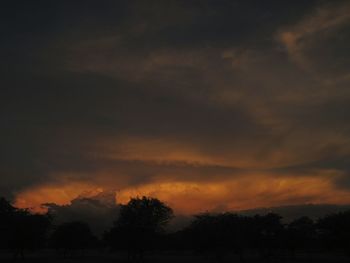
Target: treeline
141,227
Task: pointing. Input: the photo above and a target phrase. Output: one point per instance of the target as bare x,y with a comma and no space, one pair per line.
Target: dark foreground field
171,257
139,235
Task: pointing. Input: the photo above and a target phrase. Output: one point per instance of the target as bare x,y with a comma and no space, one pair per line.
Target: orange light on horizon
238,193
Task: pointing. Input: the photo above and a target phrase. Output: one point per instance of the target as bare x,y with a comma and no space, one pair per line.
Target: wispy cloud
313,32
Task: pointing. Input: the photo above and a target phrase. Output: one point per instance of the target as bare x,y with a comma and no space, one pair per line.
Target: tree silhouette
300,234
267,231
220,234
7,213
21,230
335,231
71,237
139,225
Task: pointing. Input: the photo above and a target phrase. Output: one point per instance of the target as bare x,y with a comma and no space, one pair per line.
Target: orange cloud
60,194
242,193
186,197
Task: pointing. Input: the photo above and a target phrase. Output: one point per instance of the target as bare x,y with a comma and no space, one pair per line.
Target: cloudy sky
205,104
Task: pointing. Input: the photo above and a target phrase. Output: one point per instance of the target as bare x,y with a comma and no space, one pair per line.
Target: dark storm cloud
143,91
56,123
184,24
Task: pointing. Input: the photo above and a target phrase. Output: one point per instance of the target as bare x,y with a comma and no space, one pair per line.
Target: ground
170,257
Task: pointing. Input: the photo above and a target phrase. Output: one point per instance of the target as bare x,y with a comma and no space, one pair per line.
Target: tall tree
139,225
22,230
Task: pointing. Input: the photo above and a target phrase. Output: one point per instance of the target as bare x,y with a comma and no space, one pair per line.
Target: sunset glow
194,197
206,105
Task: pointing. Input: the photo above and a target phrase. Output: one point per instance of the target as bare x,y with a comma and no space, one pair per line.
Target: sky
208,105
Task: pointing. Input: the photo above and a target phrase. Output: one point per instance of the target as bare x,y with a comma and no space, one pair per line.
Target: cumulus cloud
98,210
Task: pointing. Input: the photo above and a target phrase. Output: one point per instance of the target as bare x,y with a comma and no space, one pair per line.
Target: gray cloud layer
183,90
